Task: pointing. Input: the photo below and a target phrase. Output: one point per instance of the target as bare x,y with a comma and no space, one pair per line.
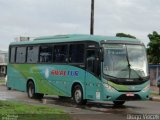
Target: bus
82,67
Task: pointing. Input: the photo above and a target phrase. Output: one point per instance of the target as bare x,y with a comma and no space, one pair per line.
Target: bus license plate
129,94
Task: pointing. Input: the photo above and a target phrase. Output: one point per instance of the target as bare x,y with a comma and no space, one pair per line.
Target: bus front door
92,75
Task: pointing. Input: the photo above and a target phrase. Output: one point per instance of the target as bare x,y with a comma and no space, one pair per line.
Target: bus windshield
125,61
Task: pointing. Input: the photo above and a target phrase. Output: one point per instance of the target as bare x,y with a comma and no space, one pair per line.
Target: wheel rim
78,96
31,91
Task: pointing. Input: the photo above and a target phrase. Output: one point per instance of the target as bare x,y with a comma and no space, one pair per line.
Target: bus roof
74,38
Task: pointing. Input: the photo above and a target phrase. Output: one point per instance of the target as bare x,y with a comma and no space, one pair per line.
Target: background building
3,63
154,73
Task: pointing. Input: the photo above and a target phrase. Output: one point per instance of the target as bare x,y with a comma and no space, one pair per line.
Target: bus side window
12,54
21,55
60,53
76,53
45,55
32,54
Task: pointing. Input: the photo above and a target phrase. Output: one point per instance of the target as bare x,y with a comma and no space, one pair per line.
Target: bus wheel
78,95
118,103
8,88
31,90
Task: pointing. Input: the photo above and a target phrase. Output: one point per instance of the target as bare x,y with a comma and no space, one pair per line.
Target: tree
153,49
125,35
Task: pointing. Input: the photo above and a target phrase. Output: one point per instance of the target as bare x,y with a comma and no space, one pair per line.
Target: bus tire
78,95
8,88
31,90
118,103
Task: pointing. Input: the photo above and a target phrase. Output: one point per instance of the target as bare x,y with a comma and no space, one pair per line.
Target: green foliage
153,49
24,111
125,35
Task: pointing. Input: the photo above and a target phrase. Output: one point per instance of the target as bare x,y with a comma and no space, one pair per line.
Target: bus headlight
109,87
146,88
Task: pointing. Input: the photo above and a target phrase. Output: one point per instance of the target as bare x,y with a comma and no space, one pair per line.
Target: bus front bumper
111,94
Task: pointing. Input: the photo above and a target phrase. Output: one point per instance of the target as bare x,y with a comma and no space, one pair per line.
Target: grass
2,81
22,111
154,94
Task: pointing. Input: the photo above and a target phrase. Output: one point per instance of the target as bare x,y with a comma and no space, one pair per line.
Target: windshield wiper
111,76
139,76
129,65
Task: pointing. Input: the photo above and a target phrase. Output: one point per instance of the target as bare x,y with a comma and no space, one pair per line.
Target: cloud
137,17
49,17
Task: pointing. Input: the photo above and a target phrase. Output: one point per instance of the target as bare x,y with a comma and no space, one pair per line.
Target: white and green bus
83,67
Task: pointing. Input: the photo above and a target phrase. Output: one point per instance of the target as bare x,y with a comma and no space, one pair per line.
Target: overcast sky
50,17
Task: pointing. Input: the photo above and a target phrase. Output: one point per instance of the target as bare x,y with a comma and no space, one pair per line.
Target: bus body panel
48,79
58,80
94,86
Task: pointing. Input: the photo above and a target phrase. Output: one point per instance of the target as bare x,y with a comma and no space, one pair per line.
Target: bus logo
72,73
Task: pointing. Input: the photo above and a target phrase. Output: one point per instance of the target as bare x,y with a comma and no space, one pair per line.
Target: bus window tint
91,54
12,54
21,55
32,54
60,53
76,53
45,54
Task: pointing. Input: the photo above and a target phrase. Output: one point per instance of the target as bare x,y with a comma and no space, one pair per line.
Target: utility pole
92,18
